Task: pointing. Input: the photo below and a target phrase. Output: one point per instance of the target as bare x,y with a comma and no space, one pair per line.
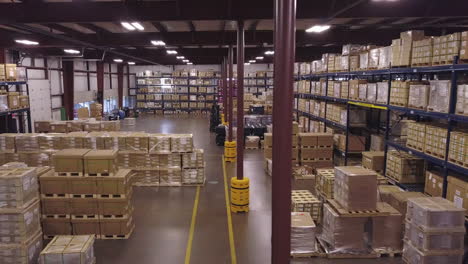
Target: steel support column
285,26
224,87
68,88
100,83
240,99
2,55
120,84
231,91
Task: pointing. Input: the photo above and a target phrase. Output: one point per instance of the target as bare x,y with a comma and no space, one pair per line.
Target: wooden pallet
416,107
389,253
127,236
54,195
69,174
113,196
55,216
90,216
317,147
195,184
252,148
341,255
100,174
415,147
83,196
435,155
380,211
421,64
397,104
319,252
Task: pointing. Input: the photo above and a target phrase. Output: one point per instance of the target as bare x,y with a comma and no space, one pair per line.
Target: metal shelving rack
452,118
214,84
24,113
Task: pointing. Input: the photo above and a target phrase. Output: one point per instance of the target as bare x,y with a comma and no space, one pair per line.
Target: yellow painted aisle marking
228,212
188,252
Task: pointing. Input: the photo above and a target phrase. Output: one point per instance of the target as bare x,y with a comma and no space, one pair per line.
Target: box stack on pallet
324,182
404,167
75,125
20,219
268,145
316,150
87,194
303,231
305,201
356,225
69,249
434,232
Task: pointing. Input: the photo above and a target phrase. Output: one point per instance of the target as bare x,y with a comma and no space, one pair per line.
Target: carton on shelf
377,142
373,160
69,160
13,100
434,183
350,183
457,192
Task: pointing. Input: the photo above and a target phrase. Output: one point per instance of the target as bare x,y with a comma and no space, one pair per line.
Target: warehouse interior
160,130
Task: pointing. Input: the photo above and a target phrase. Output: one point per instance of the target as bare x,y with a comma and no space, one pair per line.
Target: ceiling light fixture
180,57
138,26
185,61
259,58
118,60
71,51
171,52
26,42
318,28
269,52
189,63
127,26
252,61
158,43
131,63
247,63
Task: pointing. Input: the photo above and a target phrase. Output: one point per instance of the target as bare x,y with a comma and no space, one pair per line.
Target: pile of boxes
268,144
305,201
402,47
87,194
418,96
324,182
75,126
446,48
13,100
439,96
95,110
69,249
434,231
430,139
20,217
316,149
11,73
462,100
458,148
252,142
422,52
338,113
404,167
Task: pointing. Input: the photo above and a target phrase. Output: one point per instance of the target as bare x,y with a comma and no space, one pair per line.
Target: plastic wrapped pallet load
418,96
439,96
302,234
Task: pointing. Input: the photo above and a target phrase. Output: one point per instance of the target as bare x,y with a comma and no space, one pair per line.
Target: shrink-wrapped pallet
303,231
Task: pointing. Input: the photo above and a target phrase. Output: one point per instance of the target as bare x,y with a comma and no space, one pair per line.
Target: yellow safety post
230,151
239,195
222,119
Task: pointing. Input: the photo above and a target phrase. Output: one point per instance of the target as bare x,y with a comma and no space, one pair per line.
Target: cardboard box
84,205
24,101
435,239
350,183
100,162
69,160
58,127
55,205
87,226
457,192
303,232
116,227
82,185
25,252
116,184
399,200
69,249
83,113
17,225
13,100
313,153
110,205
52,226
412,255
384,192
373,160
434,183
432,213
10,72
387,231
19,187
377,143
51,184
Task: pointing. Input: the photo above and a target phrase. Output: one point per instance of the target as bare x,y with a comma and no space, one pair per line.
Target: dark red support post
120,84
240,100
224,88
2,55
68,88
231,90
285,27
100,83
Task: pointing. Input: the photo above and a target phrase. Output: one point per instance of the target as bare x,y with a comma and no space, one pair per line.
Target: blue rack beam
12,83
16,111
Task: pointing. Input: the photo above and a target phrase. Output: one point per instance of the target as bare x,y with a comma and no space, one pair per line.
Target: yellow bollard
230,151
240,195
222,119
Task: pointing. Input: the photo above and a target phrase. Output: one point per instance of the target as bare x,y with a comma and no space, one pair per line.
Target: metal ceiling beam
212,10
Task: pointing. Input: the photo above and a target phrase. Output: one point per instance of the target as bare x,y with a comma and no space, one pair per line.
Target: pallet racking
6,117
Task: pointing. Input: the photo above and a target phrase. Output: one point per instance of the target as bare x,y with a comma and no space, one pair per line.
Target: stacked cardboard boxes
20,225
446,48
422,52
69,249
75,125
404,167
303,232
96,110
434,231
402,47
458,148
324,182
193,165
316,149
268,144
439,96
305,201
418,96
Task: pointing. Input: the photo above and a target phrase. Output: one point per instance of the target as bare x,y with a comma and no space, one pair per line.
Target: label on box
458,201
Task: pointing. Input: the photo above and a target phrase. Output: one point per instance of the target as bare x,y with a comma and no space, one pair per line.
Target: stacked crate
316,149
418,96
268,144
404,167
434,231
303,232
422,52
462,99
399,93
69,249
439,96
436,141
305,201
354,88
324,182
416,136
344,90
382,93
193,165
458,149
446,48
20,226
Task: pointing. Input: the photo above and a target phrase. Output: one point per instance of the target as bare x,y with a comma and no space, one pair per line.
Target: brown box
24,101
315,153
355,143
307,139
117,226
457,192
41,126
88,226
51,184
384,192
373,160
387,231
434,183
58,127
268,153
268,140
350,183
100,162
69,160
318,164
377,143
13,100
116,184
55,205
432,213
67,249
52,226
82,185
109,205
83,112
399,200
10,72
25,252
84,204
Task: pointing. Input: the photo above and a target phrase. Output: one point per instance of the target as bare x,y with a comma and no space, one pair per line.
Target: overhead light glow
247,63
26,42
118,60
158,43
131,63
127,26
180,57
269,52
318,28
252,61
189,63
185,60
259,58
138,26
71,51
171,52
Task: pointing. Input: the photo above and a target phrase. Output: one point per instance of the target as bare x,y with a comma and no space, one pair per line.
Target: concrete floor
163,214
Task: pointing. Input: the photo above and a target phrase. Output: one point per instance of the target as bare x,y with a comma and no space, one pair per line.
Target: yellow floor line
228,212
188,252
